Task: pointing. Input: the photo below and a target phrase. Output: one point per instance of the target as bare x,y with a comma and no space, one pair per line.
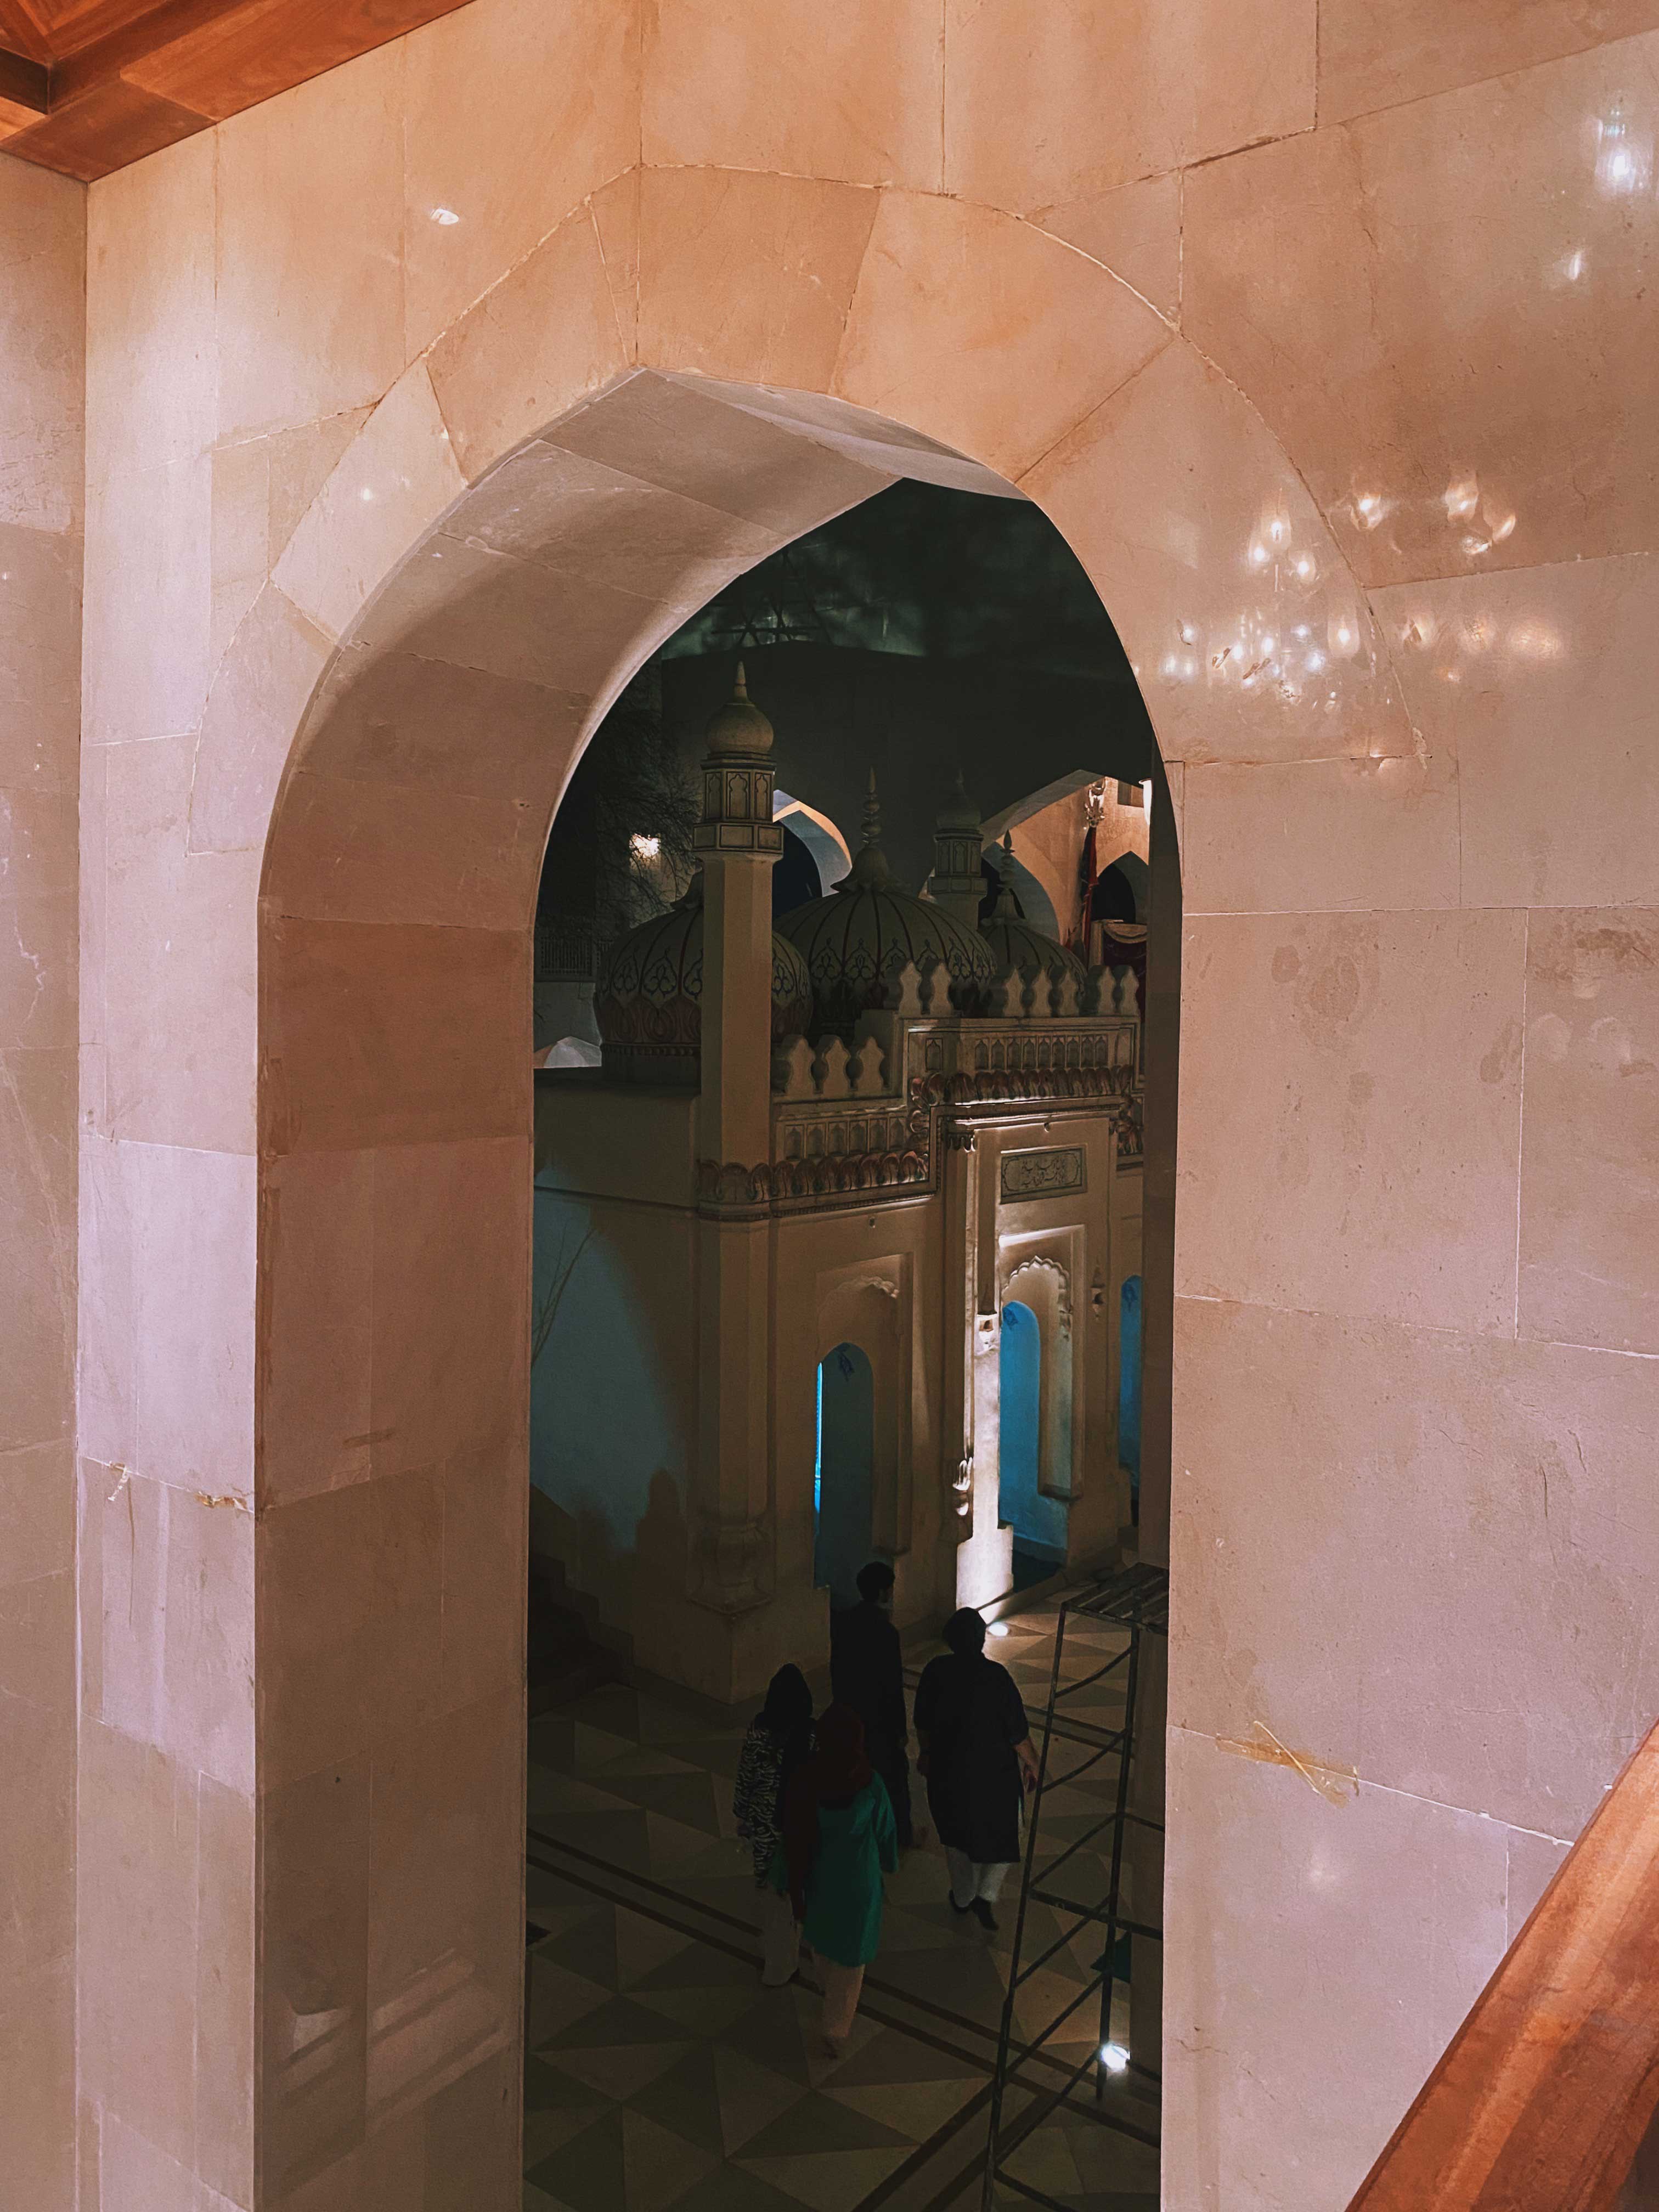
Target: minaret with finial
958,882
739,844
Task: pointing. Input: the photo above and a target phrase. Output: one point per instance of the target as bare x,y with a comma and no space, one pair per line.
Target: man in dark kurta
975,1746
866,1672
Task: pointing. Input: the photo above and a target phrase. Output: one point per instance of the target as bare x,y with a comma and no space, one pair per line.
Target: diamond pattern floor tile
662,2077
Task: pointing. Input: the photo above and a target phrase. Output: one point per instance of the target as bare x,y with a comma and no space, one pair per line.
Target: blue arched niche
1128,1384
1038,1521
843,1478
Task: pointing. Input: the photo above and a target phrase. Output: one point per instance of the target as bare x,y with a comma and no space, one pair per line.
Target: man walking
866,1672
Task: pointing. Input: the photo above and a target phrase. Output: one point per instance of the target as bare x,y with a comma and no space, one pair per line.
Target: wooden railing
1543,2096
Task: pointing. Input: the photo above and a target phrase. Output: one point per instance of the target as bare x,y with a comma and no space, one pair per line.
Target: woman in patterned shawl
779,1739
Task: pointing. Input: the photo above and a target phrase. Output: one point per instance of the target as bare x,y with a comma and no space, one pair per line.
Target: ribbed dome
739,727
1014,942
649,997
856,940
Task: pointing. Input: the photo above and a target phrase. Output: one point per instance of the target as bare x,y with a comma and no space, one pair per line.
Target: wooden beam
21,33
110,127
1542,2097
23,92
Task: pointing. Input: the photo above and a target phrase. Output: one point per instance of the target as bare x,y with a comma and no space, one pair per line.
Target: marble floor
660,2073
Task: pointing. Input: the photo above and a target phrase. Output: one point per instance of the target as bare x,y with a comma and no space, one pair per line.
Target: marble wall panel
1414,366
350,1597
37,2083
1321,836
668,434
42,405
152,353
138,1900
514,113
315,1324
564,512
177,1016
37,1815
1539,680
226,1949
1491,1497
446,1929
1294,2039
311,305
37,1512
173,1573
150,600
1031,319
435,1024
37,1238
1046,102
43,244
1246,631
314,2011
546,335
392,483
259,697
855,95
451,1299
1134,230
748,275
39,657
1380,56
1590,1207
1341,1176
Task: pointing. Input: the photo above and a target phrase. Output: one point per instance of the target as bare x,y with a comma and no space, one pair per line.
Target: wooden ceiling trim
110,128
252,52
23,92
114,80
22,34
126,45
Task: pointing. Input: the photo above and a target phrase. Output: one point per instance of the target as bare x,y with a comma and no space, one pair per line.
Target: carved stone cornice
727,1186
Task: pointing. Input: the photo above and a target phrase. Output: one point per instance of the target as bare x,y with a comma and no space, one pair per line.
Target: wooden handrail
1541,2099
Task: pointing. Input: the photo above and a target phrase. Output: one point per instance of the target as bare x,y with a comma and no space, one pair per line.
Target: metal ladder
1136,1600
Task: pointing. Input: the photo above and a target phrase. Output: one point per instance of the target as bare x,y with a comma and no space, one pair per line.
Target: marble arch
511,531
350,839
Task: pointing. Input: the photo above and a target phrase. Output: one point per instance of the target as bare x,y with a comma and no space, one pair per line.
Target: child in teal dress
838,1840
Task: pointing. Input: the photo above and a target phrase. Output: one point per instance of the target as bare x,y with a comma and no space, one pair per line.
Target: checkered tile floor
660,2073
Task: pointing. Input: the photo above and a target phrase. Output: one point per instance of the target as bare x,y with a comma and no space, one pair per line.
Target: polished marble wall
42,280
1326,334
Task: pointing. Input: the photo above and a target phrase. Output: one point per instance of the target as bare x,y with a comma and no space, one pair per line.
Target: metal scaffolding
1136,1600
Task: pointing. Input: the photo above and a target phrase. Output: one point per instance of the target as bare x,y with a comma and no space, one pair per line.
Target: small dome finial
870,869
958,816
739,727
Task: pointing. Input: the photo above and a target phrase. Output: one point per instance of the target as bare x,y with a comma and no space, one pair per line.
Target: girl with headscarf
839,1840
977,1754
779,1739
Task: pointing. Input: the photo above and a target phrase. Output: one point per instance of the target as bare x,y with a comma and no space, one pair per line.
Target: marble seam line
1383,1789
1393,1321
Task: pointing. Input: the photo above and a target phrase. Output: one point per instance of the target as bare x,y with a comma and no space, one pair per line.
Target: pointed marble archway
570,469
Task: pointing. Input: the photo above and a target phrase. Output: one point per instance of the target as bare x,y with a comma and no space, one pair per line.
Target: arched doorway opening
394,988
1037,1518
843,1472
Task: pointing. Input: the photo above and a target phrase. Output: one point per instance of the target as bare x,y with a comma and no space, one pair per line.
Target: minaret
958,883
738,843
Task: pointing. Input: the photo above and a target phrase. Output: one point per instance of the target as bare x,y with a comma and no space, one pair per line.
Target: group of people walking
823,1801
